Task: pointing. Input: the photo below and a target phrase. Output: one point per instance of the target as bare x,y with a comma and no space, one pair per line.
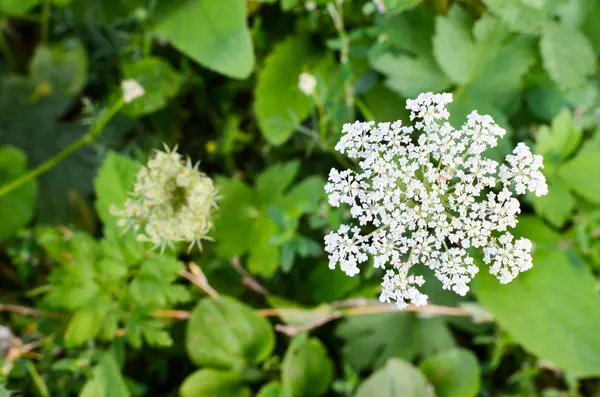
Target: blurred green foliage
93,312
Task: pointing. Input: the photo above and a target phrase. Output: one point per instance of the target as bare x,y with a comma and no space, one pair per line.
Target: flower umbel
171,202
431,201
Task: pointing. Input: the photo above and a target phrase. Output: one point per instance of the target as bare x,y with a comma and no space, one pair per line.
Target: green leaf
160,83
556,294
560,46
453,49
107,380
521,15
18,206
396,378
238,210
213,34
84,326
396,6
306,370
279,105
214,383
227,334
113,184
370,340
264,256
273,389
454,373
558,204
17,7
410,76
5,393
62,66
327,285
562,138
580,174
271,183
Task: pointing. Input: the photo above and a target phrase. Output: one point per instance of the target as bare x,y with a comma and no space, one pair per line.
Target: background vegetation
88,312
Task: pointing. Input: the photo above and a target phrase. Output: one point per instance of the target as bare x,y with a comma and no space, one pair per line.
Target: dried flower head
430,201
171,202
307,83
131,90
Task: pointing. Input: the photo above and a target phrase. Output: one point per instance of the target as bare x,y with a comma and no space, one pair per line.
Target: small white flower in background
131,90
307,83
310,6
430,201
171,202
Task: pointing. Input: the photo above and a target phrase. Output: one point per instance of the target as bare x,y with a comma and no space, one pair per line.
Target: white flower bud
307,83
131,90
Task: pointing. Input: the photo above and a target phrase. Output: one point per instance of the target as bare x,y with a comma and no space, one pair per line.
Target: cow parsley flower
131,90
171,202
431,201
307,83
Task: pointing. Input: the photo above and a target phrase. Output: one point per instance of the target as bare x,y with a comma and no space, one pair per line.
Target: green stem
364,109
45,21
85,140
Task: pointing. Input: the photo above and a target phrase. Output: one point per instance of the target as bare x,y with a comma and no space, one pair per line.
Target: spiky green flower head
172,202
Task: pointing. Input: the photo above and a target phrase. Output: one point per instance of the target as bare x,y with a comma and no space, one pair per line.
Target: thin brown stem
247,279
28,311
197,277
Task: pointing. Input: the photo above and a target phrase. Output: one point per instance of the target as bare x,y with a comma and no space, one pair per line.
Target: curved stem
85,140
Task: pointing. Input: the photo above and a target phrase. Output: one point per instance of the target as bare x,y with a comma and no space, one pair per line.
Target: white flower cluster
431,201
171,202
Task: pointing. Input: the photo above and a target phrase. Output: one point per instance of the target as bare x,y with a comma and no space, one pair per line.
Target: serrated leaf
521,15
396,378
279,104
558,204
226,44
561,139
453,373
306,369
18,206
113,184
224,333
535,302
214,383
567,54
410,76
454,50
160,83
84,326
370,340
580,174
106,381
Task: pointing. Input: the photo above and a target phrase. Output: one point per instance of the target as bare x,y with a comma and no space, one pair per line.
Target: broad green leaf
559,46
557,294
521,15
214,383
453,49
18,206
327,285
435,336
160,82
300,315
384,104
562,138
279,104
17,7
581,175
591,28
396,378
264,256
61,67
371,339
410,76
453,373
5,393
107,380
410,31
304,197
273,389
238,210
306,370
272,182
113,184
558,204
227,334
394,6
214,34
